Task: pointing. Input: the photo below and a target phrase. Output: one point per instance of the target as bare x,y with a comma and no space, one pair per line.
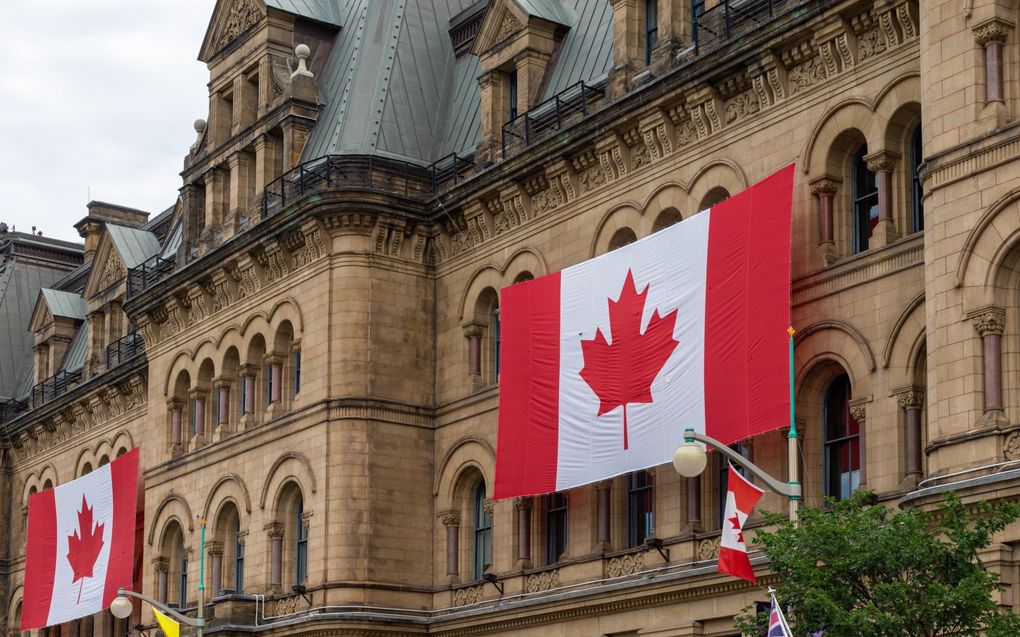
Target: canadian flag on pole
80,544
604,364
741,496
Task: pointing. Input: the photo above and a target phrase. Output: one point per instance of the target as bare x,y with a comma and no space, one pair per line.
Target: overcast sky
100,96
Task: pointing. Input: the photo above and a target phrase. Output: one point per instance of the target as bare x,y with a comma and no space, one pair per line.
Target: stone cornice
973,157
860,269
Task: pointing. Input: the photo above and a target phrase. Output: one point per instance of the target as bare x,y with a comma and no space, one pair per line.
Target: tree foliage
862,569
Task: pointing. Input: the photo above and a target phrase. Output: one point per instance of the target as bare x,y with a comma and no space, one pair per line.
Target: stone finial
200,126
302,52
989,320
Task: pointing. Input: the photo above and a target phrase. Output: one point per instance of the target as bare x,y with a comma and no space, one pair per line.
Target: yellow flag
169,626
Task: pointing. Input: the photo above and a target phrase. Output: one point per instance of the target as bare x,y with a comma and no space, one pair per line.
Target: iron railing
547,117
11,409
148,274
52,388
731,19
124,349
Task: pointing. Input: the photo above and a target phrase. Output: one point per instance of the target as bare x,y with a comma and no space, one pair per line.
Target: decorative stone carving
161,564
1011,447
467,595
589,170
805,74
450,517
542,581
508,26
910,399
741,106
708,548
522,502
113,271
243,15
859,411
883,160
639,153
274,530
989,321
993,30
625,565
287,605
488,505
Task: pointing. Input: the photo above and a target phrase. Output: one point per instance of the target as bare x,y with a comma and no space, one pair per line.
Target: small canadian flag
741,496
80,546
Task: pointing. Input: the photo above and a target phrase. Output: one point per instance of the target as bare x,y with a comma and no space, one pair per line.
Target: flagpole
794,497
201,581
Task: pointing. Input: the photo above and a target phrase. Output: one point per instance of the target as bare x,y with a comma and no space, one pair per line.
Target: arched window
483,533
842,441
182,558
865,201
640,507
622,237
555,526
916,203
300,543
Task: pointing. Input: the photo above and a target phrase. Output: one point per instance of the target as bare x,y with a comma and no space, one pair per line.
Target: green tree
864,570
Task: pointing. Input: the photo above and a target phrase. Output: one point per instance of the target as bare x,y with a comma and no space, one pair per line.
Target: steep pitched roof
65,304
319,10
134,246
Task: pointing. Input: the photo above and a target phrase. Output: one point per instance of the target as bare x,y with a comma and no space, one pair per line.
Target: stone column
175,405
222,387
694,503
451,520
911,401
274,363
824,189
523,506
275,532
247,373
198,397
216,194
214,548
882,163
603,490
990,322
473,332
992,35
859,412
162,567
242,183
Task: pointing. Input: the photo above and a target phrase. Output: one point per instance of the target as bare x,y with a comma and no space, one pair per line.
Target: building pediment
107,268
230,20
52,304
505,19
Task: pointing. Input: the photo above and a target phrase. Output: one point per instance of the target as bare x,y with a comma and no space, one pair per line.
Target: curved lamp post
690,458
121,607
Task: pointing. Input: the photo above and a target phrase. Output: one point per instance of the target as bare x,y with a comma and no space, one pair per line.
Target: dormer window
651,28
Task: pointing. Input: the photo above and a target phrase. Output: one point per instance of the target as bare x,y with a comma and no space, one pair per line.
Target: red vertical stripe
124,482
747,311
529,396
40,560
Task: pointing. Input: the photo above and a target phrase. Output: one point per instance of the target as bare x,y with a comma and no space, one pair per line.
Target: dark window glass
697,9
297,372
651,27
917,206
183,581
301,550
238,558
269,384
640,507
243,386
555,526
495,345
724,476
483,533
511,96
842,441
865,201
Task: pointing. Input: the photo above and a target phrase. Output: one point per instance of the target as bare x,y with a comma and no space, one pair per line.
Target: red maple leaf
736,528
83,551
622,372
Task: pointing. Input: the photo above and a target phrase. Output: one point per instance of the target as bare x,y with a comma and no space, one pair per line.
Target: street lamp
121,608
690,459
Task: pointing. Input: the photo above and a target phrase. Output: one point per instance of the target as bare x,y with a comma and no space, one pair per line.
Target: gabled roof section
134,246
232,18
325,11
57,304
504,18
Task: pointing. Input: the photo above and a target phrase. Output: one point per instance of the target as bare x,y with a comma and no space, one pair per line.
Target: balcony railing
148,274
52,388
124,349
11,409
731,19
547,117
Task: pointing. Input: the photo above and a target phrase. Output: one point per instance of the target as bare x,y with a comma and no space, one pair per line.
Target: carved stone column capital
988,320
603,484
910,398
247,370
992,30
523,503
858,409
161,564
881,161
474,329
197,393
274,530
488,504
214,547
450,517
824,186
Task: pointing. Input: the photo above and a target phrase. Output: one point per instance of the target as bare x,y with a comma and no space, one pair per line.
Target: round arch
291,465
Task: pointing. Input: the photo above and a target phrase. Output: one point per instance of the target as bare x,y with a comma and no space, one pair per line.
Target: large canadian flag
604,364
80,544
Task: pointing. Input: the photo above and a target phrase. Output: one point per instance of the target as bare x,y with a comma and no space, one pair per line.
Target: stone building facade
305,345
